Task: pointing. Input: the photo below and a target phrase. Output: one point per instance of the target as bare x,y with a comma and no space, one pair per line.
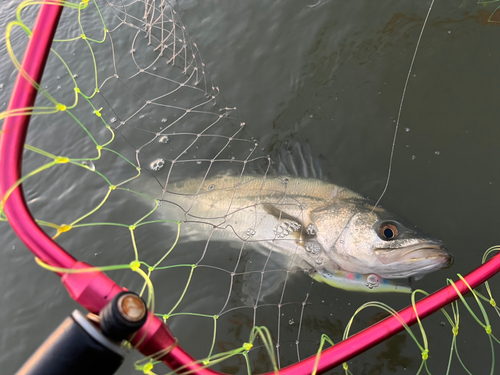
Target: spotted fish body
312,224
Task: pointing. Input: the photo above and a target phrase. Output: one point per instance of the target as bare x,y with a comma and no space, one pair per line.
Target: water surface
331,73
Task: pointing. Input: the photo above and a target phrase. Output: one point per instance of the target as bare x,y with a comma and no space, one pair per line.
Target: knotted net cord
147,118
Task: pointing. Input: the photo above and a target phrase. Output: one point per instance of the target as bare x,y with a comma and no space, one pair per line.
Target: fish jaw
415,261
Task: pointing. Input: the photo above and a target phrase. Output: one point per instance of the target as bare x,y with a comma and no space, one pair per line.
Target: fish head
361,238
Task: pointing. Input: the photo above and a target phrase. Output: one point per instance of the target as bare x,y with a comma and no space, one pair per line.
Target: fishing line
401,106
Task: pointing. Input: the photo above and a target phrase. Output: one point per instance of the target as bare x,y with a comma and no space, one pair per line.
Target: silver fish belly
313,224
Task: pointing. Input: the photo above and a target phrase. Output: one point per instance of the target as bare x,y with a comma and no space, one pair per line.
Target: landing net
138,135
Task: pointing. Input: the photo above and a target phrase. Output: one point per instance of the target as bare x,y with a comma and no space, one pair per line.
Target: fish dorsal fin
295,159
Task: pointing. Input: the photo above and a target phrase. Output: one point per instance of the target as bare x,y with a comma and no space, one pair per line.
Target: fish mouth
416,259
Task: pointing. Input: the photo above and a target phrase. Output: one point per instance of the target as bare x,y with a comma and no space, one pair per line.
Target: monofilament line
401,105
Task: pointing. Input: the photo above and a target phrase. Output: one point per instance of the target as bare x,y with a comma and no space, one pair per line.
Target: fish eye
388,231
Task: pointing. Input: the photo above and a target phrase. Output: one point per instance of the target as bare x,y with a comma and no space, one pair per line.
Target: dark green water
332,73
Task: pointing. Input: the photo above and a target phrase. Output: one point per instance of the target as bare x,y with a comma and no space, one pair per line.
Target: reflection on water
332,74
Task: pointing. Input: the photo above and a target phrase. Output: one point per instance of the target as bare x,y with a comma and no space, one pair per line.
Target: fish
312,224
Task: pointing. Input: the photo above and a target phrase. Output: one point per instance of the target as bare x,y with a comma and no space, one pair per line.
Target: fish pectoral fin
279,214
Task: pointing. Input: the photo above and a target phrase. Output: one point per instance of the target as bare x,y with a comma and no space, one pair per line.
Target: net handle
14,134
93,290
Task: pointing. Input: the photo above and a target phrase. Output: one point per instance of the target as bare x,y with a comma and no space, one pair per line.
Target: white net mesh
174,182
